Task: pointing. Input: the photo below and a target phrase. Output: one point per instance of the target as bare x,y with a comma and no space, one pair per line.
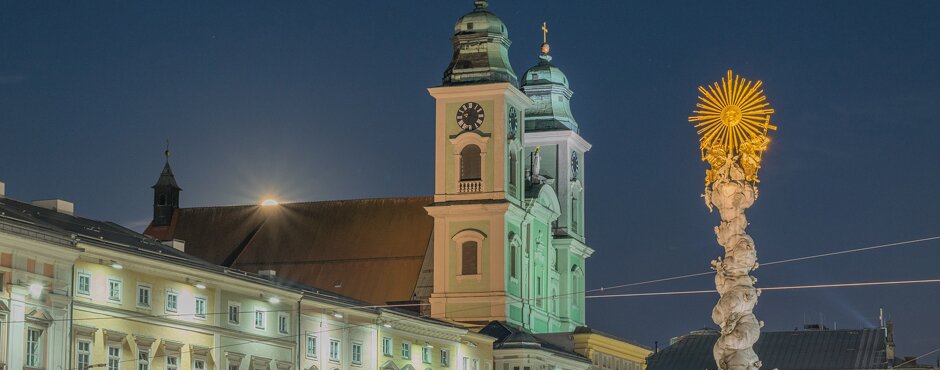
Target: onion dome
548,87
481,49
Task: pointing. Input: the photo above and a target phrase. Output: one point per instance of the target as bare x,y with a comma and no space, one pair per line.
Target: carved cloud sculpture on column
733,119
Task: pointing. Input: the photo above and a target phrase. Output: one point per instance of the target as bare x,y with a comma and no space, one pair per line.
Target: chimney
3,190
267,274
177,244
58,205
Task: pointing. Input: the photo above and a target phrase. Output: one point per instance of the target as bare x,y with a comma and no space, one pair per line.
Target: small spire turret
166,193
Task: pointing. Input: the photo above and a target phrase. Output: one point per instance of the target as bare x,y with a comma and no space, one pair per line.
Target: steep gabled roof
368,249
860,349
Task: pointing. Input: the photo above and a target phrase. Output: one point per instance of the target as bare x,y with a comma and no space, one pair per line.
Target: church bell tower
166,195
493,253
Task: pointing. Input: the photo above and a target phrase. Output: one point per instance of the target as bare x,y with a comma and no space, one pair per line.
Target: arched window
470,163
513,261
575,213
162,200
468,258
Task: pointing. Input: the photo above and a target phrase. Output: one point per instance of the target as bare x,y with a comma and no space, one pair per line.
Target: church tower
493,230
557,155
166,195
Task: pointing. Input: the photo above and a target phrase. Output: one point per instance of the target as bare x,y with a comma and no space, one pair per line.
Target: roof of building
481,49
166,178
509,336
368,249
790,350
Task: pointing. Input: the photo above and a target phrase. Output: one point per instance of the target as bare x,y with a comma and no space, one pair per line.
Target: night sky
320,100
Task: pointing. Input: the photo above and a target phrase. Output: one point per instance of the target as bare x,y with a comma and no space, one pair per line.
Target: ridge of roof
331,201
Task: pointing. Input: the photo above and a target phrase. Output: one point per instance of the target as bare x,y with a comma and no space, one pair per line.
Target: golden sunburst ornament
733,120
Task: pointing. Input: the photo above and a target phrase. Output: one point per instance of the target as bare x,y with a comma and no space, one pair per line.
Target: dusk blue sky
326,100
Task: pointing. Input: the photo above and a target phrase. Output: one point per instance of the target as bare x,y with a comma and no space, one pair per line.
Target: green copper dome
481,49
548,87
545,73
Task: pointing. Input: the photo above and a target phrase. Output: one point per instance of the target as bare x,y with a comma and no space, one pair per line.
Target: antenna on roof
881,316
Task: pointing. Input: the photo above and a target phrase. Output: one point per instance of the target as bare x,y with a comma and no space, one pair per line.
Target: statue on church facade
733,120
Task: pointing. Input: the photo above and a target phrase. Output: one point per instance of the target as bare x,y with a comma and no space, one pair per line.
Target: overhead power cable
793,287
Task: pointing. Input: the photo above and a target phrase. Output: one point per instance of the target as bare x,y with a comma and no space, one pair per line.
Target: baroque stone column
732,194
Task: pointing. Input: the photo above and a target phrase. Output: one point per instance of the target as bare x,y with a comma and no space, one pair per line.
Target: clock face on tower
470,116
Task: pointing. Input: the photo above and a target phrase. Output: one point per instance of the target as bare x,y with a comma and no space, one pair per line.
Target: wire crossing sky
302,102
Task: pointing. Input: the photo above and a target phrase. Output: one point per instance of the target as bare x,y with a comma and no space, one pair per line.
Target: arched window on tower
470,163
162,200
513,173
576,213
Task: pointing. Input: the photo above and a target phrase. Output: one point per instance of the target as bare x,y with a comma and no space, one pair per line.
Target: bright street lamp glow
269,202
274,300
116,266
35,290
387,325
200,286
337,315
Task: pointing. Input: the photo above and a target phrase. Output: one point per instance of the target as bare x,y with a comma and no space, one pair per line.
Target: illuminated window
406,350
84,284
282,323
357,353
259,318
83,354
426,355
387,346
172,362
143,360
233,312
311,346
114,290
200,307
33,347
445,358
143,295
114,358
172,300
334,350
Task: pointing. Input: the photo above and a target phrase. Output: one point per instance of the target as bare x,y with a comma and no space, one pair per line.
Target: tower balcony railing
470,186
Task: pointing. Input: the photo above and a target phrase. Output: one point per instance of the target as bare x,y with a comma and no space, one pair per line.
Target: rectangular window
468,258
387,346
172,362
83,354
513,261
33,347
114,290
233,312
199,365
426,355
334,350
172,300
143,360
259,319
143,295
84,284
357,353
283,324
311,346
406,350
114,358
201,307
445,358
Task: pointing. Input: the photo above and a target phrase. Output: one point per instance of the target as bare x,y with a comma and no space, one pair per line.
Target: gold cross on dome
544,33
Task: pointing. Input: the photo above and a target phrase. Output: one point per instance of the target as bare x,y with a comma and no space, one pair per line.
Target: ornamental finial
480,4
166,153
545,47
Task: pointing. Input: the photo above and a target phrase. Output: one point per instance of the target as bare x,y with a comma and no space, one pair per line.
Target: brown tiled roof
368,249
